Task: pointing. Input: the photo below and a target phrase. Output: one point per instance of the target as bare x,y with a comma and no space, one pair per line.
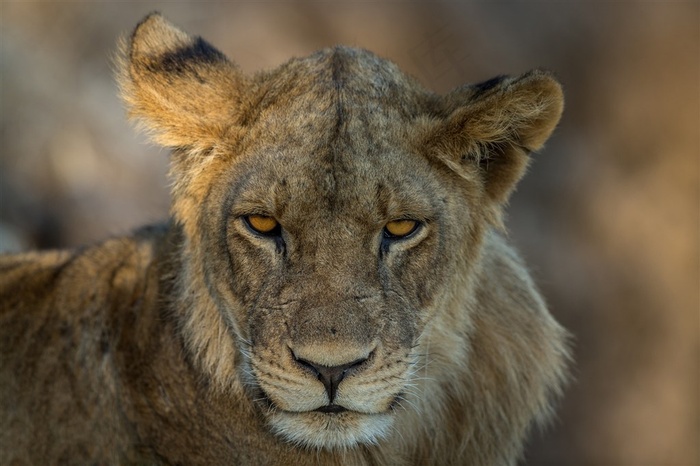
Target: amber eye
262,224
400,228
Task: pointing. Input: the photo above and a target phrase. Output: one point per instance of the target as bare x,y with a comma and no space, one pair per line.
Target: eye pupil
262,224
400,228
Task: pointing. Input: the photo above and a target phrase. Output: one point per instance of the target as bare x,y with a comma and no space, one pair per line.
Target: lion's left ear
492,127
180,88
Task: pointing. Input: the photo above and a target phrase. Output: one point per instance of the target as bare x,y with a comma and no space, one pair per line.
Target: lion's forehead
338,92
351,182
334,133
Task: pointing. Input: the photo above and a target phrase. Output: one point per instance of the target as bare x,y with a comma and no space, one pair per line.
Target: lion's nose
331,376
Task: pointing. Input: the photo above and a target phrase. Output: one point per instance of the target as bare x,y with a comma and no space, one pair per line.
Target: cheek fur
409,270
249,266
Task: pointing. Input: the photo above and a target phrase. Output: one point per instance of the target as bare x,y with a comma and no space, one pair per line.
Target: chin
331,431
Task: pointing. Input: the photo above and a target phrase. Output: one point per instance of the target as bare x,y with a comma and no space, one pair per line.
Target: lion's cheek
422,272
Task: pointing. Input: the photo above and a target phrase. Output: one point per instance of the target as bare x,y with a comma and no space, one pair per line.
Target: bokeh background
608,216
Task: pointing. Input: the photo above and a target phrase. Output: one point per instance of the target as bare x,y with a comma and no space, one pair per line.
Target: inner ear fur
181,89
491,128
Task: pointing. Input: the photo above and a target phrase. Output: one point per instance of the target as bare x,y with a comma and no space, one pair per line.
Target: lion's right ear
180,88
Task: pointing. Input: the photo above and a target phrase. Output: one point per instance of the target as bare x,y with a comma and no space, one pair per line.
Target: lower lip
331,409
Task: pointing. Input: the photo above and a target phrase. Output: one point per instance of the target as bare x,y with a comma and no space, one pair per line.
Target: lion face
338,255
334,250
332,210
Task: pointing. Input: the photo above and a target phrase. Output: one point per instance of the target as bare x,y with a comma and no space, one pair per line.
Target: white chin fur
330,431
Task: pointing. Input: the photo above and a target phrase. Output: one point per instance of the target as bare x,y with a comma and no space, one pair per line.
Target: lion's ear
493,126
179,87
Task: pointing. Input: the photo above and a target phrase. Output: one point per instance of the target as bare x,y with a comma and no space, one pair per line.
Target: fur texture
328,341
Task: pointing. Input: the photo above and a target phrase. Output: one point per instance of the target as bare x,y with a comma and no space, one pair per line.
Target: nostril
307,365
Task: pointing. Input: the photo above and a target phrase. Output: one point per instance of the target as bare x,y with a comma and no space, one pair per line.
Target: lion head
335,218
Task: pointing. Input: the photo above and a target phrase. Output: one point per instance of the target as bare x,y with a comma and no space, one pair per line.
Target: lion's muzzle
331,377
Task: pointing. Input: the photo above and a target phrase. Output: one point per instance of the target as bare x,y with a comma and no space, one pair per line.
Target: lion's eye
397,229
263,224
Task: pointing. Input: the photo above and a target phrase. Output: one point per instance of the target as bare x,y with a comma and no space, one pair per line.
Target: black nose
330,377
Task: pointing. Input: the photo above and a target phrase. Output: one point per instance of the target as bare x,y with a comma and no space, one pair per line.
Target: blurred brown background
608,216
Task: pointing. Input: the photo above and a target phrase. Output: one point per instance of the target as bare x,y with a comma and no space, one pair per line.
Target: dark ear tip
485,86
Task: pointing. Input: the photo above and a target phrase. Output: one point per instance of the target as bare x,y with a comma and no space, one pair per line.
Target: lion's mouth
305,413
331,409
327,409
330,426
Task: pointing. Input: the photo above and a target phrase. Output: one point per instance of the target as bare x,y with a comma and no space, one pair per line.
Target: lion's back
60,314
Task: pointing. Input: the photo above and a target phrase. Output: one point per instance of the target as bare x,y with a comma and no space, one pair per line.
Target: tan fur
196,342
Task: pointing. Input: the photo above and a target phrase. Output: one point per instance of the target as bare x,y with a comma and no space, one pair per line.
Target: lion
334,285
